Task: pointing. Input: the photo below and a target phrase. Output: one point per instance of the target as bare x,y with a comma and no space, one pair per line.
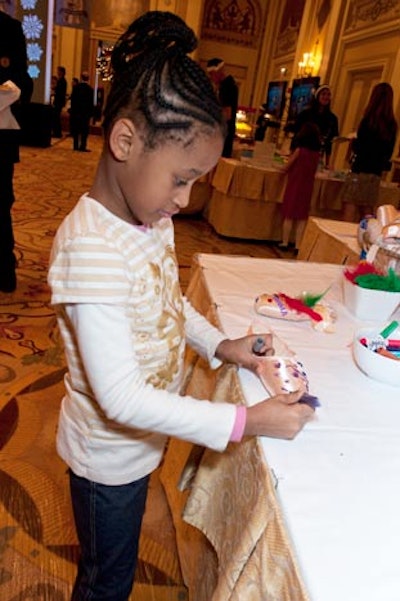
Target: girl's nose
182,198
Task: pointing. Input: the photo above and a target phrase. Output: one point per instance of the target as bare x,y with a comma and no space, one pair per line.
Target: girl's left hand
245,351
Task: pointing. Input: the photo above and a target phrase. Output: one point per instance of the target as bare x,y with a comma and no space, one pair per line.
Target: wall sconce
306,66
283,72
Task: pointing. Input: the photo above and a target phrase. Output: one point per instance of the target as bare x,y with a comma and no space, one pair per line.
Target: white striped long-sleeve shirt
124,324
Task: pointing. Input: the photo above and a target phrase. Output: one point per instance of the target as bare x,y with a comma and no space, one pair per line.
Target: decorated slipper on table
304,307
283,375
283,372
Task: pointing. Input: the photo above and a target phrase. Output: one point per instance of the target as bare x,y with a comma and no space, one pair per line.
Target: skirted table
311,519
246,199
329,241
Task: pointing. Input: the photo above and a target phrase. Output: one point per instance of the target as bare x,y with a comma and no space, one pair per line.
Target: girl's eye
181,182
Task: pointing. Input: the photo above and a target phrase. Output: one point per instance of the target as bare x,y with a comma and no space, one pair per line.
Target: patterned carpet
38,547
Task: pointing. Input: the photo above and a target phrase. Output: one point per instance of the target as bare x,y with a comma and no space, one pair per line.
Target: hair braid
154,80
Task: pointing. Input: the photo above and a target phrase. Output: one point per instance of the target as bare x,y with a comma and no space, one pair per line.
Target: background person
13,67
115,287
320,113
74,82
372,148
53,84
300,168
81,111
59,101
228,95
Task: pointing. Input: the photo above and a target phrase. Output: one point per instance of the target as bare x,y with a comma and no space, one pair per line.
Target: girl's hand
245,351
281,416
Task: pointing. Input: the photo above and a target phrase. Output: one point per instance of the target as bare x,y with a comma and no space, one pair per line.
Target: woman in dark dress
372,148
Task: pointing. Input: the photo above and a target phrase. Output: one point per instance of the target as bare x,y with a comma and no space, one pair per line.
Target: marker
258,345
391,344
389,329
385,353
373,344
310,400
380,341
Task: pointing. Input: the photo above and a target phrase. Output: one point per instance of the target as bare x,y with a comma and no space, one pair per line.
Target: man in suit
227,90
81,111
60,99
13,67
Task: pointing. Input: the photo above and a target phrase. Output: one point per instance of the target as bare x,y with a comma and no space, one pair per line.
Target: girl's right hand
281,416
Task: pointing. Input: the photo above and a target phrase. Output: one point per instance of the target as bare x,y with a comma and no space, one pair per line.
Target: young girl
301,168
124,322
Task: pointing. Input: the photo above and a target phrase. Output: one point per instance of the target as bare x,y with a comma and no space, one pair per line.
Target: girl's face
324,97
152,184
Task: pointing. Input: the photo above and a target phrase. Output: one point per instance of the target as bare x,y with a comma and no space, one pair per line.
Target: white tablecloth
338,481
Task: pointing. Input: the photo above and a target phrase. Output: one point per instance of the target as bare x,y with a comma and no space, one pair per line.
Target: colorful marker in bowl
389,329
382,345
382,339
385,353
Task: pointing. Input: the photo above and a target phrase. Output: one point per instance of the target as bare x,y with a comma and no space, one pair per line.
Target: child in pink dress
301,168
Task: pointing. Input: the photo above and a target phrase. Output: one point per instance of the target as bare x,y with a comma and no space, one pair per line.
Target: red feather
362,268
298,305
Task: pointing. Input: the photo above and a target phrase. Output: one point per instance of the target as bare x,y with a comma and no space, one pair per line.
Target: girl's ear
123,138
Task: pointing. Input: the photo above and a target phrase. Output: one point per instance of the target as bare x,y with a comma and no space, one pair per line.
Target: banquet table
246,198
311,519
329,241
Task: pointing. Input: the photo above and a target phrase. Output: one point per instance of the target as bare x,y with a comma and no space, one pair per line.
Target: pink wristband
239,425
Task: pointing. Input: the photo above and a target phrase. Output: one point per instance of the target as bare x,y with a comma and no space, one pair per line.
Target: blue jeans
108,520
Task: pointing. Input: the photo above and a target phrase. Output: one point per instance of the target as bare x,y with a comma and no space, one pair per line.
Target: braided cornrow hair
155,81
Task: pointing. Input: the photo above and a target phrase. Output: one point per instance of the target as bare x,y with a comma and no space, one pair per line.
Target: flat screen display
301,94
275,98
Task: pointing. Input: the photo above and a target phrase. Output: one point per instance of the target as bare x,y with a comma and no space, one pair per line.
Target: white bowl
373,364
368,304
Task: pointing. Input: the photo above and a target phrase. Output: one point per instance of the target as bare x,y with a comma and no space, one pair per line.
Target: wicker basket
385,256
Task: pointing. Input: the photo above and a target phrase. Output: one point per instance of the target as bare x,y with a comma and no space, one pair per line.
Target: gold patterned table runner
238,549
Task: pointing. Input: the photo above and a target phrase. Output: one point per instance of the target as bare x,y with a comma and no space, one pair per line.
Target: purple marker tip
310,400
